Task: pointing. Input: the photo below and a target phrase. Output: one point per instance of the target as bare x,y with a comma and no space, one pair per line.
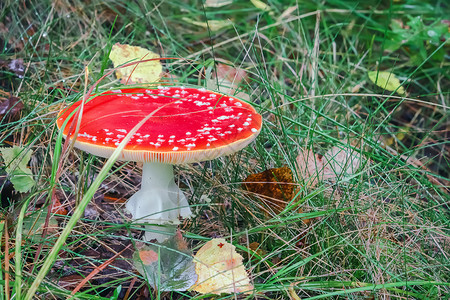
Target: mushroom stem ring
159,201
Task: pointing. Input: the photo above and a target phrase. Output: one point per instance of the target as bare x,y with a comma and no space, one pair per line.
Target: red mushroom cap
197,125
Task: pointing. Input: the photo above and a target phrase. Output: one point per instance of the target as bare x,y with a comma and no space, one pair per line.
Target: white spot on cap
174,148
248,119
202,89
121,130
188,133
120,136
237,103
200,103
106,130
139,140
246,124
225,117
190,145
161,135
254,130
172,136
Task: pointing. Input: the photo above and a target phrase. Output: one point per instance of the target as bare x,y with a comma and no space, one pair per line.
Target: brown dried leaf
336,162
341,161
275,187
231,74
10,107
227,80
310,167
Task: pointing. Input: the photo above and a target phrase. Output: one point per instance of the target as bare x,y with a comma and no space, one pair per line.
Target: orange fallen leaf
58,208
148,256
220,269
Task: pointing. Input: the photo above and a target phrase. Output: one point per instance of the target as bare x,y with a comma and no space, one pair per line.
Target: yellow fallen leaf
261,5
213,25
220,270
217,3
146,72
387,81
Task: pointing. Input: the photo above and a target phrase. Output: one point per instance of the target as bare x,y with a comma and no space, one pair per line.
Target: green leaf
387,81
33,225
15,157
22,180
16,160
167,267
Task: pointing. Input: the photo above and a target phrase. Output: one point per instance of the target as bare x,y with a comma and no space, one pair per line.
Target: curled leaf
217,3
261,5
213,25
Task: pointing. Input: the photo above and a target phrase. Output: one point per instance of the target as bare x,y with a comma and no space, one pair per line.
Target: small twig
127,294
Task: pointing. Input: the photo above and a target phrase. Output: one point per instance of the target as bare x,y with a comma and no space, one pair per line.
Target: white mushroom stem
159,202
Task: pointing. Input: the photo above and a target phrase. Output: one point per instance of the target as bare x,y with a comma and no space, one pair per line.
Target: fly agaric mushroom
191,125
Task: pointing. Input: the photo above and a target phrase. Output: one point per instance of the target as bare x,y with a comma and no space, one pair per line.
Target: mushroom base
159,202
